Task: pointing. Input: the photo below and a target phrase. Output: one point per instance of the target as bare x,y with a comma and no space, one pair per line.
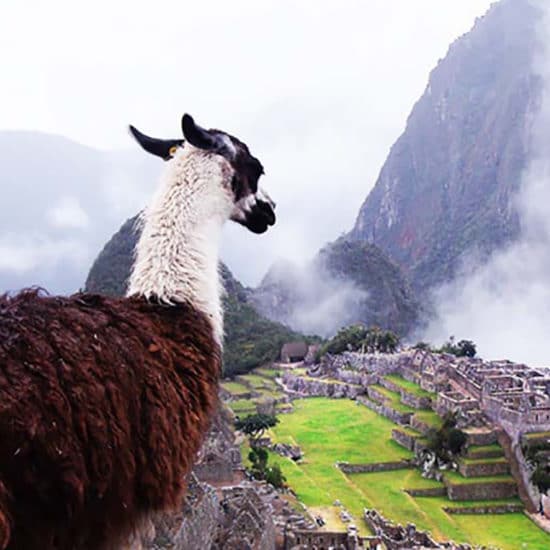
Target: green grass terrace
234,388
410,387
393,400
330,431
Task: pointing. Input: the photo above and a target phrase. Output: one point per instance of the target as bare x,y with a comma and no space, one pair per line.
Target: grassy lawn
266,372
338,430
429,417
454,478
393,399
409,387
257,381
476,450
243,406
235,388
509,532
496,460
409,431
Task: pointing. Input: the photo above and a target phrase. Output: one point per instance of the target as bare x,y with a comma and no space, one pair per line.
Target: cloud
20,254
504,304
68,214
319,103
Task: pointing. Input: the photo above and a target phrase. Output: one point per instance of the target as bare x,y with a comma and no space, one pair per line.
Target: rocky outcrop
246,521
449,182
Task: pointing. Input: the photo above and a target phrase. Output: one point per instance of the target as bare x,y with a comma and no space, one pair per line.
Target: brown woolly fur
103,405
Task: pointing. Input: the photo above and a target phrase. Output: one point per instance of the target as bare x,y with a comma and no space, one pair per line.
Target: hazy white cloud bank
315,301
319,90
504,305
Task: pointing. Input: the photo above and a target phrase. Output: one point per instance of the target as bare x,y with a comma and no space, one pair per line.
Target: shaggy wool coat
103,405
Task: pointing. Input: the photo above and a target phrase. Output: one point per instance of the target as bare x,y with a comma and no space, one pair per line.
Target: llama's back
103,404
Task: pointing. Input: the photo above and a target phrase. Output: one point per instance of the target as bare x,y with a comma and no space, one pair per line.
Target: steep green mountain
250,339
449,182
347,282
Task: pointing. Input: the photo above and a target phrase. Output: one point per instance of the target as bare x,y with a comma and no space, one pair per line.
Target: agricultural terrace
247,391
330,431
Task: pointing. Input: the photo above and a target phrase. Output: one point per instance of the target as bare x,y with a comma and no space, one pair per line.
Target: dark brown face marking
253,207
248,170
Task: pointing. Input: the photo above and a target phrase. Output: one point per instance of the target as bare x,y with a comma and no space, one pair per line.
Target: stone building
294,352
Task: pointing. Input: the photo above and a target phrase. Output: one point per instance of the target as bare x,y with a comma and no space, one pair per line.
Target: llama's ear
199,137
164,148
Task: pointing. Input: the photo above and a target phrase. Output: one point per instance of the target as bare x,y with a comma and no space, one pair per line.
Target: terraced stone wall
481,491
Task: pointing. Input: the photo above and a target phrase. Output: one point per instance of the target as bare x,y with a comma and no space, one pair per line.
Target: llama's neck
177,253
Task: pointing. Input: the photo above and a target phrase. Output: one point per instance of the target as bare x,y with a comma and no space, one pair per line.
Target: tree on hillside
464,348
255,425
361,338
537,455
260,469
448,441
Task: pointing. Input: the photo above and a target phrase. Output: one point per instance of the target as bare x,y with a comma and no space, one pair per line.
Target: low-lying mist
308,298
504,304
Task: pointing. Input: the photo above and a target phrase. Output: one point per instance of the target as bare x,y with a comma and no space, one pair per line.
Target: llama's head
252,206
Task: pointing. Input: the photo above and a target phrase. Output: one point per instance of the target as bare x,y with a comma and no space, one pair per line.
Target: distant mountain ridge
449,182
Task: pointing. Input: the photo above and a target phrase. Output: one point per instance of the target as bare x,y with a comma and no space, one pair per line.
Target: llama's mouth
259,217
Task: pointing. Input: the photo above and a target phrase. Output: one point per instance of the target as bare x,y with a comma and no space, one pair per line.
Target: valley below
357,442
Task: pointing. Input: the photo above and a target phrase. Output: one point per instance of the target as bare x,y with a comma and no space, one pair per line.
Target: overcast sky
319,90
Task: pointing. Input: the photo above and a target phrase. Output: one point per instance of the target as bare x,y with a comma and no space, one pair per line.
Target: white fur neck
178,251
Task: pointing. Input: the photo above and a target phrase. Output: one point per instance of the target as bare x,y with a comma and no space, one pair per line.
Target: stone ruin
222,509
512,396
396,537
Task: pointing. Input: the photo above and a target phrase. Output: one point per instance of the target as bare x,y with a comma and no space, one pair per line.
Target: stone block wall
415,401
487,437
479,469
419,426
431,492
310,387
374,467
482,510
481,491
399,418
404,439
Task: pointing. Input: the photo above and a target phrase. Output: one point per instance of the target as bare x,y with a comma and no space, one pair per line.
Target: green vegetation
357,337
261,384
330,431
493,450
255,425
260,469
495,460
235,388
409,387
464,348
268,372
431,418
537,453
242,406
454,478
393,400
447,441
251,340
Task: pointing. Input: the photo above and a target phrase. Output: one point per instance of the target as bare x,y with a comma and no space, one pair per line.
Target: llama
104,401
